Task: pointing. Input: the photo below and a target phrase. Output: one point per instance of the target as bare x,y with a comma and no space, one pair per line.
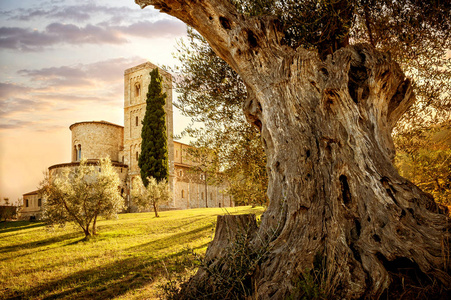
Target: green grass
128,258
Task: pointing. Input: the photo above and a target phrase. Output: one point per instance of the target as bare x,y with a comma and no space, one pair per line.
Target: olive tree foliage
152,196
211,94
326,85
425,159
81,194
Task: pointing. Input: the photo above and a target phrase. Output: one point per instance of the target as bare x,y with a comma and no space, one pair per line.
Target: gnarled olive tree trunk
334,193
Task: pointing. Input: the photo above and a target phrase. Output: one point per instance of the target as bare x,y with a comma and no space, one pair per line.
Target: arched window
75,154
183,193
137,90
202,196
39,202
180,173
122,159
79,152
137,121
26,203
137,156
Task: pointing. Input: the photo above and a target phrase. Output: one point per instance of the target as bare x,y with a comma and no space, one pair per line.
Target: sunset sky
62,61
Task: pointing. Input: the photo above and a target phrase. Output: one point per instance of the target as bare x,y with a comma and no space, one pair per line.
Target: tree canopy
81,194
151,196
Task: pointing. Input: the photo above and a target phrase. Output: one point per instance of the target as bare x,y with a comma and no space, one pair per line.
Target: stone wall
96,139
192,190
32,206
120,168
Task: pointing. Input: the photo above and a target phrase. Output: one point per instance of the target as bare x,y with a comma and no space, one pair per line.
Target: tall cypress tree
153,160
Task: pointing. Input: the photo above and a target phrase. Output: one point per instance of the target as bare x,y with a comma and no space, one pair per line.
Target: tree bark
333,188
86,232
334,193
94,229
155,209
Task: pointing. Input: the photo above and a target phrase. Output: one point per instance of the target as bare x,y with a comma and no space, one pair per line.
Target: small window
137,120
183,194
26,203
202,196
39,202
79,152
202,177
121,170
137,156
180,173
137,90
122,159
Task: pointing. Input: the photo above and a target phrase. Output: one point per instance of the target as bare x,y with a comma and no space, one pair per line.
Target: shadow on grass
181,238
39,243
110,280
18,225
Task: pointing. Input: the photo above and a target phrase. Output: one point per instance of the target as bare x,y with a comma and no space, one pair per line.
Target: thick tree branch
213,19
233,36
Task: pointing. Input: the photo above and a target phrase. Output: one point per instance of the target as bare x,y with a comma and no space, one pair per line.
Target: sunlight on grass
127,259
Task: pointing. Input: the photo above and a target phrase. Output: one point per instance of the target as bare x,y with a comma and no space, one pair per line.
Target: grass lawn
128,259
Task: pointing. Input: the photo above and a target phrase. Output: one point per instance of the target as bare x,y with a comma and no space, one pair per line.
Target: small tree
7,212
151,196
82,194
153,160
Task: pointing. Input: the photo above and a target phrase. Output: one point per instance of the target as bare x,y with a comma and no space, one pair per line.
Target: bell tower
136,83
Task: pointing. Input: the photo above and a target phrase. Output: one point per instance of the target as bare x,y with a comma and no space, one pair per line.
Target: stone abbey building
97,139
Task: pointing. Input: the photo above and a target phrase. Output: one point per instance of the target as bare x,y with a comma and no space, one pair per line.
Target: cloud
58,76
15,124
81,75
8,90
68,98
27,39
83,12
147,29
13,105
66,12
90,34
112,70
60,88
